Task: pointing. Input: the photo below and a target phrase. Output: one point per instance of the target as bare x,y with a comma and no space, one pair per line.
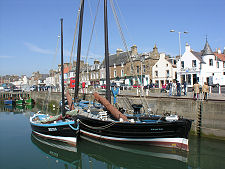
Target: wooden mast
62,71
108,93
79,52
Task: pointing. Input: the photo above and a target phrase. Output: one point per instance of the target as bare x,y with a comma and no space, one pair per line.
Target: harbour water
19,149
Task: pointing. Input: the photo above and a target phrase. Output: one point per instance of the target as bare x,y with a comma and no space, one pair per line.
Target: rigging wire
75,33
125,46
123,20
92,31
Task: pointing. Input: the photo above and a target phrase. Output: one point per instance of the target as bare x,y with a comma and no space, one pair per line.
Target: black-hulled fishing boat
61,127
168,131
112,125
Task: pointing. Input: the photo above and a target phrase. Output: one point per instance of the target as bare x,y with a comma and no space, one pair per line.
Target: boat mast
108,93
62,72
79,52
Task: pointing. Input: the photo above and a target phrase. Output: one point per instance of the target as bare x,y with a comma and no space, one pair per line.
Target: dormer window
122,64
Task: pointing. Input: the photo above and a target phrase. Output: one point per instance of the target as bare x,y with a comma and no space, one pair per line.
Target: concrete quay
208,116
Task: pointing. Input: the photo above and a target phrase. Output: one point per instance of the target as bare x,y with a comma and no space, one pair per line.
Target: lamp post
142,60
185,32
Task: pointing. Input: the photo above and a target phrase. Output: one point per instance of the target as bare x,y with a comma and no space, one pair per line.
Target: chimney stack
118,51
134,50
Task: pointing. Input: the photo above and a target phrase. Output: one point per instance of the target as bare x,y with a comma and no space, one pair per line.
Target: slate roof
198,55
117,60
207,49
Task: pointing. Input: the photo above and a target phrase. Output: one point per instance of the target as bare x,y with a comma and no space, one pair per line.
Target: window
114,73
114,65
210,62
167,73
223,64
193,63
122,72
223,73
144,68
167,65
182,64
156,73
137,69
122,64
218,65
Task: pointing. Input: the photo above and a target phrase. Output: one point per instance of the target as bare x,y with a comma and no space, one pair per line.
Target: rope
125,46
101,128
92,31
75,33
77,128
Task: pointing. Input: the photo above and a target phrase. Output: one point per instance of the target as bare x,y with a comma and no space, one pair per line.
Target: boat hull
20,102
29,101
166,134
9,102
64,132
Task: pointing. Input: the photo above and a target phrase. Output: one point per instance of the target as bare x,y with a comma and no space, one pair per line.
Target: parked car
136,86
6,89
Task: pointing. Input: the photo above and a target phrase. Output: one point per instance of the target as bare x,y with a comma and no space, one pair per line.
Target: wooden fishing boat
111,125
29,101
60,127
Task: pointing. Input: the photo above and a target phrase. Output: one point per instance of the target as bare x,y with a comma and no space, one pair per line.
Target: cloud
5,57
37,49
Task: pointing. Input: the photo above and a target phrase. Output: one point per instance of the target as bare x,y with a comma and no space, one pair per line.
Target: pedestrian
174,86
178,88
170,88
196,90
163,89
115,91
205,90
185,88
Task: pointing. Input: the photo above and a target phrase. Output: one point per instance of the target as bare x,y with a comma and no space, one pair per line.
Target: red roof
220,56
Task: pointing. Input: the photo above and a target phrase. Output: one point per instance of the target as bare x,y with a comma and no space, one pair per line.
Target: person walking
196,90
115,91
185,88
174,86
178,88
170,88
205,90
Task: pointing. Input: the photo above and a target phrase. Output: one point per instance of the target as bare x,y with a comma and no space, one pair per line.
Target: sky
29,29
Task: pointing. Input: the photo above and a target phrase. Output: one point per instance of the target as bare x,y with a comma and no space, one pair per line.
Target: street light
185,32
142,60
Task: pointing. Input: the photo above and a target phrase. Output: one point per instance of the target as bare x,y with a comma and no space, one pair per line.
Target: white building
163,71
198,66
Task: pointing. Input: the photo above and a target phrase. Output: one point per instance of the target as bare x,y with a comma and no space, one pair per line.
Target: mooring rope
101,127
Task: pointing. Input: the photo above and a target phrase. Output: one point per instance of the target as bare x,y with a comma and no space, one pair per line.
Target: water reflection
94,154
16,108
